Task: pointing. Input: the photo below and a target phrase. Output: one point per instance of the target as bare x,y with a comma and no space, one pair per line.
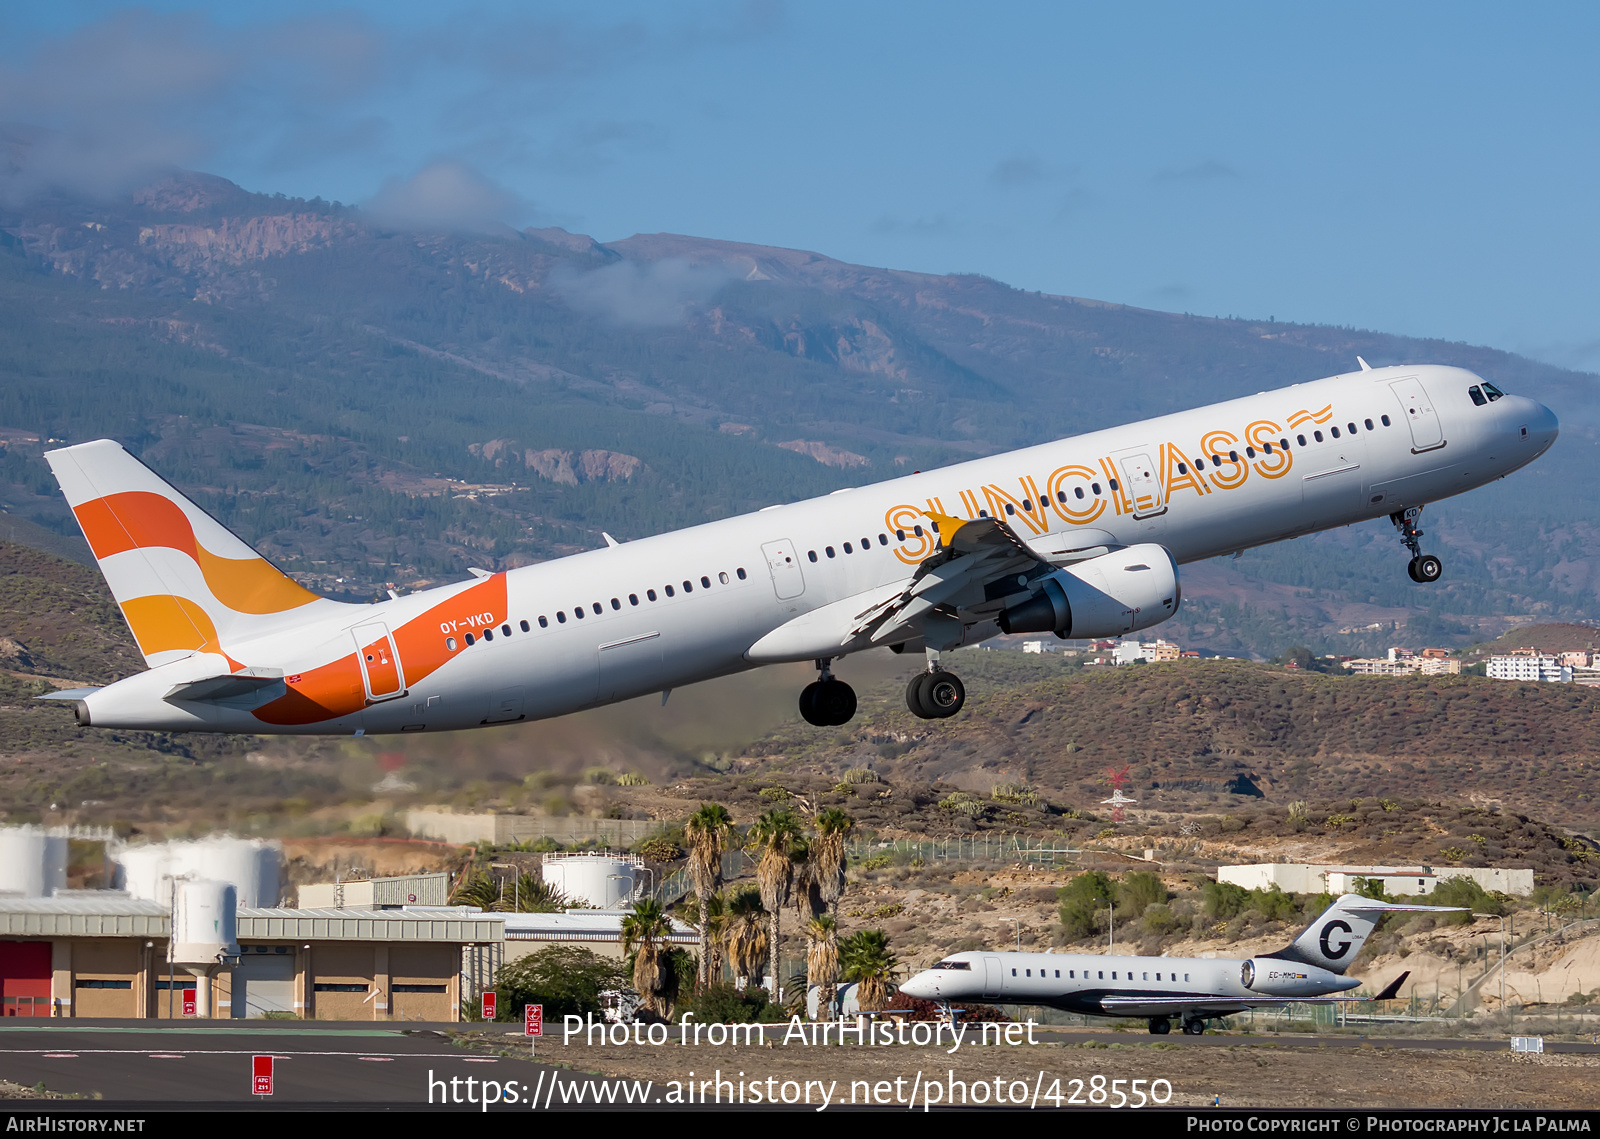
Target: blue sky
1429,169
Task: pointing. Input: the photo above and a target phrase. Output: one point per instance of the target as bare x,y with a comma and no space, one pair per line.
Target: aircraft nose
1543,425
921,986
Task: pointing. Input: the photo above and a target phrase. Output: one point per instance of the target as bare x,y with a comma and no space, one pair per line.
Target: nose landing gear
1424,568
827,702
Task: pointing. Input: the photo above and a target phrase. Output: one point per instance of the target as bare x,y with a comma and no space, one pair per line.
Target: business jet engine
1105,596
1273,977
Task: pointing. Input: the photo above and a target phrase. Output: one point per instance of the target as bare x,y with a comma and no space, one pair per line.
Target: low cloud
1018,170
642,293
445,195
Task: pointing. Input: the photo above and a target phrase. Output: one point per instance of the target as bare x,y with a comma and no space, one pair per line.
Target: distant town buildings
1312,878
1149,652
1528,665
1405,662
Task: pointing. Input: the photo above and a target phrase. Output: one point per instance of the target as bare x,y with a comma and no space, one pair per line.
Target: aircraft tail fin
1333,939
184,582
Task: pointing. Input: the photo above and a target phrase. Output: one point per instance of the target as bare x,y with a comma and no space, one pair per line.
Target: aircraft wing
1166,1006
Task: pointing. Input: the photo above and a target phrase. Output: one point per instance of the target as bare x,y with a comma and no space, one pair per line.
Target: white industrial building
1530,667
1313,878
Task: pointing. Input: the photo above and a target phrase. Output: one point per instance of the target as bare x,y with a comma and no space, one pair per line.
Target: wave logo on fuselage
1329,950
1301,417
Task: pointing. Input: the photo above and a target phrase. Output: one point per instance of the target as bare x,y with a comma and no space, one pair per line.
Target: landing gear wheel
1425,569
1194,1028
914,696
827,703
935,695
1160,1026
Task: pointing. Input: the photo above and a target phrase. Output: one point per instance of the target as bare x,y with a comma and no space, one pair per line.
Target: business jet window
526,628
488,634
1491,391
1477,396
967,965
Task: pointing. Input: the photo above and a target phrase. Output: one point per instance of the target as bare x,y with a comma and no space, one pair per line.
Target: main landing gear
1424,568
1160,1026
827,702
935,694
1195,1027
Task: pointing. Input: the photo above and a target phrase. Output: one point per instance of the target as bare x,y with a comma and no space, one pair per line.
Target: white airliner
1080,537
1163,989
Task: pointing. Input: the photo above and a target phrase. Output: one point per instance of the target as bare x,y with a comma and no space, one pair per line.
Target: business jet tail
1333,939
184,582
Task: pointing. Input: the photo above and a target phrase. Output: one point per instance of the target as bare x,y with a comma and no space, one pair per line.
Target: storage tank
251,866
146,872
32,864
603,881
204,930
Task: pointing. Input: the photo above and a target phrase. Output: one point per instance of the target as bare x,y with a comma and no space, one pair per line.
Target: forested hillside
372,406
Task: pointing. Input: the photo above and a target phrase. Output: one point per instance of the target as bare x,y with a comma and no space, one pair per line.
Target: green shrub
1083,900
1139,890
565,979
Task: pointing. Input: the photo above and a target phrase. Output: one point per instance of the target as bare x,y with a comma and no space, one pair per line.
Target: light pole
1502,921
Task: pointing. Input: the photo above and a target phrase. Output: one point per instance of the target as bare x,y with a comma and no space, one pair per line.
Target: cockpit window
954,965
1477,395
1491,391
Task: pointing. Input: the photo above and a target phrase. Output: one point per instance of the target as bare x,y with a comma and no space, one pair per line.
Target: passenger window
900,535
1368,422
1284,443
705,582
544,622
812,554
847,548
1029,972
469,639
1182,469
1062,495
450,644
983,514
883,539
1027,504
1266,448
740,572
1058,972
1301,439
561,617
1114,485
506,629
650,593
615,603
829,551
1233,456
1010,509
1249,453
1477,395
723,577
1094,486
1077,490
1013,972
1351,427
668,588
688,587
1199,464
1317,435
866,544
488,634
578,612
526,628
633,599
597,609
1335,431
917,530
1384,419
1102,974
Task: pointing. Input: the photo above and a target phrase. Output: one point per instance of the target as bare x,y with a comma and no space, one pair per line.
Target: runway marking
60,1055
166,1055
480,1060
376,1059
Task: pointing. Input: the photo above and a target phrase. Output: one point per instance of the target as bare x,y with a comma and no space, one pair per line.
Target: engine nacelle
1107,596
1274,977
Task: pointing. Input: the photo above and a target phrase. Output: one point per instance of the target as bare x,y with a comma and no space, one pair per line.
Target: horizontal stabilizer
245,685
67,694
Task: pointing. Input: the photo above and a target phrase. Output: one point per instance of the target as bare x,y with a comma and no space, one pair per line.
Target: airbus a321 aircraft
1163,989
1080,537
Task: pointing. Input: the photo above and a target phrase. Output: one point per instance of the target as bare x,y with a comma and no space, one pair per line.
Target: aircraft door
380,663
991,977
784,566
1142,487
1427,432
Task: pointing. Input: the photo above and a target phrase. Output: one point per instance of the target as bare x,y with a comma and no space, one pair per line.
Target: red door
24,978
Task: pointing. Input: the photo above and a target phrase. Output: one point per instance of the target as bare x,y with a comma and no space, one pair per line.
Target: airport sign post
533,1025
488,999
189,1003
261,1075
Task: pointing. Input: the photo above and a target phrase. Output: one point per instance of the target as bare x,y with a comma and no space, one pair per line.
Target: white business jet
1081,537
1163,989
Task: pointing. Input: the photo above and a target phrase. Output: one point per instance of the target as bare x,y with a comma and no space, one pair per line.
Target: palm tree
745,933
822,960
868,962
707,833
712,928
777,835
827,853
531,896
646,936
476,889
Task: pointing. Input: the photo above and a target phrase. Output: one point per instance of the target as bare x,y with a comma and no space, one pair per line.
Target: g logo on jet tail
1332,952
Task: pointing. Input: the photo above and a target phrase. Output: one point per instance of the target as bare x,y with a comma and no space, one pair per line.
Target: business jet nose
922,986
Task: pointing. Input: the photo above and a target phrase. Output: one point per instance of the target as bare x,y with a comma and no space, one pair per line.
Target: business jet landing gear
1194,1027
935,694
827,702
1424,568
1160,1026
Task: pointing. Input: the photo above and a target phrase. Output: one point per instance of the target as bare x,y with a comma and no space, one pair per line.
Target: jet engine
1107,596
1273,977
